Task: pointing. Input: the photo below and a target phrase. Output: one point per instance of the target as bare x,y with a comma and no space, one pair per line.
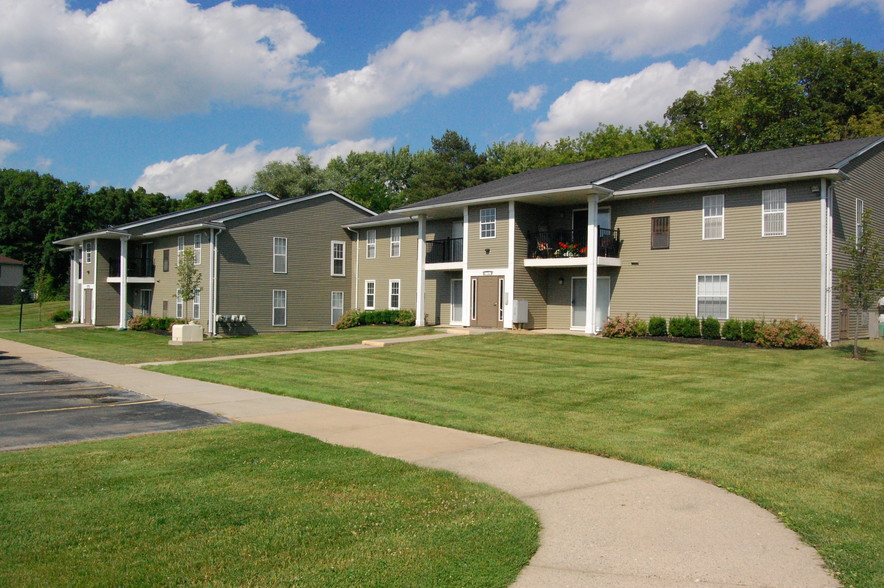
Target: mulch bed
700,341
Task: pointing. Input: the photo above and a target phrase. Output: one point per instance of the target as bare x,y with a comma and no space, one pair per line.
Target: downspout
355,284
214,279
419,320
211,322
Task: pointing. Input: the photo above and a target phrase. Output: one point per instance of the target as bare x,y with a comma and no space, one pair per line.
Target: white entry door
602,301
578,303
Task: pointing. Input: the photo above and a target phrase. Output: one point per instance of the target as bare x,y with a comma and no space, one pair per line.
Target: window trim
180,249
284,255
395,241
667,233
398,294
727,295
195,310
274,308
765,213
371,244
343,258
197,249
333,307
373,294
859,210
713,216
488,228
87,251
166,258
179,305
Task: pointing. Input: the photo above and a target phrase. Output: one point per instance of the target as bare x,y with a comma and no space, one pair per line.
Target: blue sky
175,94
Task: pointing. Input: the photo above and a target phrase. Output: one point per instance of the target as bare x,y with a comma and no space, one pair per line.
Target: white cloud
774,13
444,55
632,28
522,8
323,155
6,147
144,57
635,99
814,9
527,100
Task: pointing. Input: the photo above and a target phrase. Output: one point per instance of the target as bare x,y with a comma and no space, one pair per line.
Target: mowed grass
798,432
245,505
138,347
33,317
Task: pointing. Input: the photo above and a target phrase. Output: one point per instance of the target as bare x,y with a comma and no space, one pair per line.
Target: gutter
831,174
602,191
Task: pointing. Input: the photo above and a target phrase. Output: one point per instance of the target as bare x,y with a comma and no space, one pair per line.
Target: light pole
21,307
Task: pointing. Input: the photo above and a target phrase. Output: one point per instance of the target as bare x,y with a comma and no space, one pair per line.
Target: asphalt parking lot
39,406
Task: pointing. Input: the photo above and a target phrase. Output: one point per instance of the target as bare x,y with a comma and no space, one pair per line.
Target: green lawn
798,432
137,347
33,316
245,505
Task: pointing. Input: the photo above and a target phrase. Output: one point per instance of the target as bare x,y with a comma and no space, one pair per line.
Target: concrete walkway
605,522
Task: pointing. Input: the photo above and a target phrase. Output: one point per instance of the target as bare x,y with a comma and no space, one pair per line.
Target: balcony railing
135,268
562,243
445,250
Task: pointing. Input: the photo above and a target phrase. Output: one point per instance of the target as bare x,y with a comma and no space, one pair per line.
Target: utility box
186,334
520,312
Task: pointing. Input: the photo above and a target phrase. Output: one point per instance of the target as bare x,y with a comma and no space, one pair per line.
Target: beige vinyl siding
245,272
107,296
866,183
384,268
437,290
498,252
166,283
559,296
530,284
769,277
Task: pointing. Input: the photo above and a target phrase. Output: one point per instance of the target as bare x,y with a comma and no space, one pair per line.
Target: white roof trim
390,221
657,162
507,197
93,235
183,229
844,162
827,173
192,210
289,201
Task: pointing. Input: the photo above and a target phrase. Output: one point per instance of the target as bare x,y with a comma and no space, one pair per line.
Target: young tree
862,282
43,289
188,278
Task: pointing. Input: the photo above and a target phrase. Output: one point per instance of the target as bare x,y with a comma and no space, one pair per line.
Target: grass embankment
245,505
33,317
137,347
797,432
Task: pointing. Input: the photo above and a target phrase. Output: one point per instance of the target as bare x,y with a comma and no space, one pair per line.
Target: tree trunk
856,335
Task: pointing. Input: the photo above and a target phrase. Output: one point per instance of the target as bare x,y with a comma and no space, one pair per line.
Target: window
394,294
860,209
395,240
369,294
337,306
371,246
659,232
773,213
88,246
180,248
280,255
712,296
456,301
487,223
179,305
197,249
337,258
165,260
279,299
713,217
196,304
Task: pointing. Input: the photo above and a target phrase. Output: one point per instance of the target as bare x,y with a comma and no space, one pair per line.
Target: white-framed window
179,305
337,258
371,243
369,294
712,296
487,223
713,217
860,209
280,255
394,294
180,248
87,249
197,249
773,213
196,304
279,308
395,241
456,301
337,306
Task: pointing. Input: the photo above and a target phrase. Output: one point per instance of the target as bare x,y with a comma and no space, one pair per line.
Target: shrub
356,318
657,326
711,328
62,316
749,328
348,320
153,323
685,326
628,326
406,318
731,330
789,334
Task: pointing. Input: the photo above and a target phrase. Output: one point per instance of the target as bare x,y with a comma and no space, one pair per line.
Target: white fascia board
834,174
93,235
658,162
290,201
589,188
844,162
184,229
394,221
191,210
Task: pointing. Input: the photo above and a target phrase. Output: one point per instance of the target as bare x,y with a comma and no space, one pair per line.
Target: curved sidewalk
605,522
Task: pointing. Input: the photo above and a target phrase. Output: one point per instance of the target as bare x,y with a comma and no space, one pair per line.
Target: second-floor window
197,249
280,255
337,258
773,213
180,248
713,217
371,243
860,209
165,260
88,251
487,223
395,241
659,232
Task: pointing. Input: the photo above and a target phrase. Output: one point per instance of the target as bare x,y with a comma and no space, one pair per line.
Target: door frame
499,284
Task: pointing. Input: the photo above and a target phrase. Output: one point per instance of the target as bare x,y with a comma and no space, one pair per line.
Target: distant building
12,272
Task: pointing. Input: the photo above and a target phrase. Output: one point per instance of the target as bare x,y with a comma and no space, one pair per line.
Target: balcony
445,250
564,244
135,268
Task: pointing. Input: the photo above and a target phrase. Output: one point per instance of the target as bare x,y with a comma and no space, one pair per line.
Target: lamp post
21,307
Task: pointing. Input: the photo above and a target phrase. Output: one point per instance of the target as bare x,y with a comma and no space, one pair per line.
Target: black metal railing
135,268
445,250
565,243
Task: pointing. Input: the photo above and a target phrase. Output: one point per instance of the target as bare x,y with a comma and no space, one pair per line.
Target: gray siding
498,251
384,267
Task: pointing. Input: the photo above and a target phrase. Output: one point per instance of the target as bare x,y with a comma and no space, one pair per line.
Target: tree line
803,93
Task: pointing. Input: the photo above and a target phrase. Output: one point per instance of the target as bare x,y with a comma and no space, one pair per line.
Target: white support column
124,277
76,285
592,261
211,321
421,274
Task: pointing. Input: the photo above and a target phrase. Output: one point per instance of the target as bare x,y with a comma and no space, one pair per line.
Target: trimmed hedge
711,328
62,316
153,323
684,326
749,330
657,327
732,330
357,318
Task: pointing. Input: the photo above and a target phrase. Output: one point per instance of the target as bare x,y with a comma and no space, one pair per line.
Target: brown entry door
486,299
87,306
